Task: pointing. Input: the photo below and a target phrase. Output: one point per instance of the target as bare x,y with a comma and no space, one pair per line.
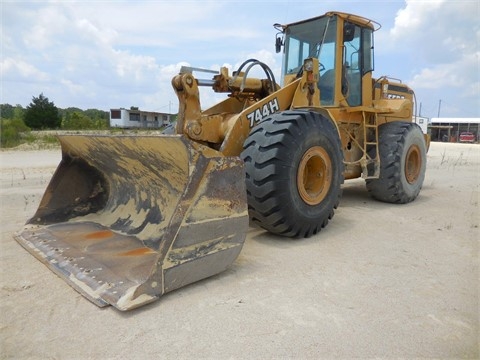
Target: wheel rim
413,164
314,175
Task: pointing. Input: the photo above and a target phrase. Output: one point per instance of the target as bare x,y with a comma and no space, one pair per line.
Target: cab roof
356,19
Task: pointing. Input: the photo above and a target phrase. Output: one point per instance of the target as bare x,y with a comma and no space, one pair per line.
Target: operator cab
343,45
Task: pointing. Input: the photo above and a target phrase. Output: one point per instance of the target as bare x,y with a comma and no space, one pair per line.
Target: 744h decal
262,112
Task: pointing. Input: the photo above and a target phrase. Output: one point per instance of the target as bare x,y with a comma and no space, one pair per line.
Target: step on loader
126,219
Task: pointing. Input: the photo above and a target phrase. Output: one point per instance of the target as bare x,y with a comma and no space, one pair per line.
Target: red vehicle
467,137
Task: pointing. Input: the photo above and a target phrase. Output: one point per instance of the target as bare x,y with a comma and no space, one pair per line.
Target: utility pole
439,104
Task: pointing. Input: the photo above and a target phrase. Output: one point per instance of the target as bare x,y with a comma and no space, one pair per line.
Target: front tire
294,172
403,160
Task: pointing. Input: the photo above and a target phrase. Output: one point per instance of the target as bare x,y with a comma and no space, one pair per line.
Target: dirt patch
380,281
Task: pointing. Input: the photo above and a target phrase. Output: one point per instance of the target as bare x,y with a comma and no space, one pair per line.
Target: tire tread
265,150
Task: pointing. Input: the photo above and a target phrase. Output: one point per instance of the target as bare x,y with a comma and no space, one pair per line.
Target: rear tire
294,172
403,159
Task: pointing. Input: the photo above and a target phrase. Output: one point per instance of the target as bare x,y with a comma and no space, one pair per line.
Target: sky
108,54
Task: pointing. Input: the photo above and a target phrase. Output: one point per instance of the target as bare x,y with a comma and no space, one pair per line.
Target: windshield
315,38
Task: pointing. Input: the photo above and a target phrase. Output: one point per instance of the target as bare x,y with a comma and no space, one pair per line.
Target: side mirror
278,44
348,32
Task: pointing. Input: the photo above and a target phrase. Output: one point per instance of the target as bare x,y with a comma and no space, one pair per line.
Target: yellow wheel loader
126,219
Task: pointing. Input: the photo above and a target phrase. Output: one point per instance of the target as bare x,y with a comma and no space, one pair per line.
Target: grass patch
16,135
12,132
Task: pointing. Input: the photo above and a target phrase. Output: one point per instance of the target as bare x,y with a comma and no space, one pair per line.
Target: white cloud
435,77
13,69
89,30
439,41
71,86
115,51
43,27
156,23
452,75
119,54
414,16
134,68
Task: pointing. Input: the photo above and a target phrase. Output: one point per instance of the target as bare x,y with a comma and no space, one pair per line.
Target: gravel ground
380,281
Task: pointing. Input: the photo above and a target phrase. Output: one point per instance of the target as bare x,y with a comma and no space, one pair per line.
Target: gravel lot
381,281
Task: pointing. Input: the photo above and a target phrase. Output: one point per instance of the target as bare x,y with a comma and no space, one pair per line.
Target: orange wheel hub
413,164
314,176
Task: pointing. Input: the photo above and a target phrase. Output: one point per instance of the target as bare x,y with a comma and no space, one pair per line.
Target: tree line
42,114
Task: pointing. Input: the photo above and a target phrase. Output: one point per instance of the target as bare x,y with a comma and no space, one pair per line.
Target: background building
134,118
450,129
423,122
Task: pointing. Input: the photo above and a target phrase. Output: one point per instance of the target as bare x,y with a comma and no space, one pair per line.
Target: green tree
77,121
100,118
42,114
6,111
18,112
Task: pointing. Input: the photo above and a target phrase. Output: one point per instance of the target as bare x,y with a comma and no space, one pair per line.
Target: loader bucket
126,219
